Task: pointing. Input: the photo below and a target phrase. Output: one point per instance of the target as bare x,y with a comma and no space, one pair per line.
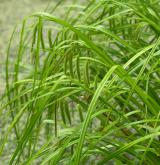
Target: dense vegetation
84,86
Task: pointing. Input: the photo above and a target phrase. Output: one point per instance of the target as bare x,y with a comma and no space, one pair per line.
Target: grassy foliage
84,87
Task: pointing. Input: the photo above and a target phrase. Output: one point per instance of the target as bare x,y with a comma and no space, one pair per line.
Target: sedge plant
84,87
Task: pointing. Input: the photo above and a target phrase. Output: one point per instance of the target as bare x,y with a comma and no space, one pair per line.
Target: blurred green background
11,13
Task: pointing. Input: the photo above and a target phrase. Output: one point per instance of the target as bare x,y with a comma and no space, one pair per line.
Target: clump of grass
84,88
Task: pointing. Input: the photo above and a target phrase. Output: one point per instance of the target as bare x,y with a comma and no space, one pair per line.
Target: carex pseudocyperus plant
84,87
